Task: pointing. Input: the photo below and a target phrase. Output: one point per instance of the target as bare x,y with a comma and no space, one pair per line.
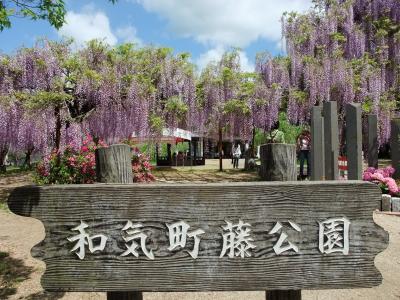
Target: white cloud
212,55
245,63
128,34
225,22
88,25
215,54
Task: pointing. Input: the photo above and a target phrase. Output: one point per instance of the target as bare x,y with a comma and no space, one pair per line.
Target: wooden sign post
114,165
210,237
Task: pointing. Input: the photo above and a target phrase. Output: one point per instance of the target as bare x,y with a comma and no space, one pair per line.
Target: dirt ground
20,273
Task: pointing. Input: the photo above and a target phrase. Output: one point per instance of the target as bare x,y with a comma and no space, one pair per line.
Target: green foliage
43,99
157,123
261,102
299,95
290,132
92,75
385,26
238,107
248,85
387,103
200,94
303,23
176,106
339,37
51,10
367,105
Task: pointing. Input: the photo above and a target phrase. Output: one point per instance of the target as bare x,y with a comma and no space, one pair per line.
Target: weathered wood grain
278,162
113,164
106,208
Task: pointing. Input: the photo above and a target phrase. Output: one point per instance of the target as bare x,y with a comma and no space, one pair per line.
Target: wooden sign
206,237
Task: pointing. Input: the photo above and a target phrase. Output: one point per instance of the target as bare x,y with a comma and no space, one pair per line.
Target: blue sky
204,28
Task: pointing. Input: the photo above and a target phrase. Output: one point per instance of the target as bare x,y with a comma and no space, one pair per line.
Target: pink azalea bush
141,167
382,177
77,165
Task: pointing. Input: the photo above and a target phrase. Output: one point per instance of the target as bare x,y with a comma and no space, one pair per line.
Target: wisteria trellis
342,50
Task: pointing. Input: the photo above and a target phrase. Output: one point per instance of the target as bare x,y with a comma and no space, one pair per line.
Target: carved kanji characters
83,238
334,236
237,240
178,232
279,247
133,233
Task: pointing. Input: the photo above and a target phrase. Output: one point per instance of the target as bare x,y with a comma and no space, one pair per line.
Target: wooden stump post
113,165
279,163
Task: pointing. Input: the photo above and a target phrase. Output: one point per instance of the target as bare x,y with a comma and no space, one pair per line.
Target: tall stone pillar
354,141
331,138
317,144
372,141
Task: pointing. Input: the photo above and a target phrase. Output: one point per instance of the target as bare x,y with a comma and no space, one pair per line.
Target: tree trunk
247,159
57,114
3,155
220,148
27,161
253,146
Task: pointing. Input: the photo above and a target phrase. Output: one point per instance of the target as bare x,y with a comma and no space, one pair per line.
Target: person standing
236,155
233,152
303,148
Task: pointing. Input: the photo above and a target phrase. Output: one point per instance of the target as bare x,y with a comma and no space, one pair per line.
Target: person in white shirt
236,155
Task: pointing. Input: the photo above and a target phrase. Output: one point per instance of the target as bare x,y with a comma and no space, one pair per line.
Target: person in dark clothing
303,149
